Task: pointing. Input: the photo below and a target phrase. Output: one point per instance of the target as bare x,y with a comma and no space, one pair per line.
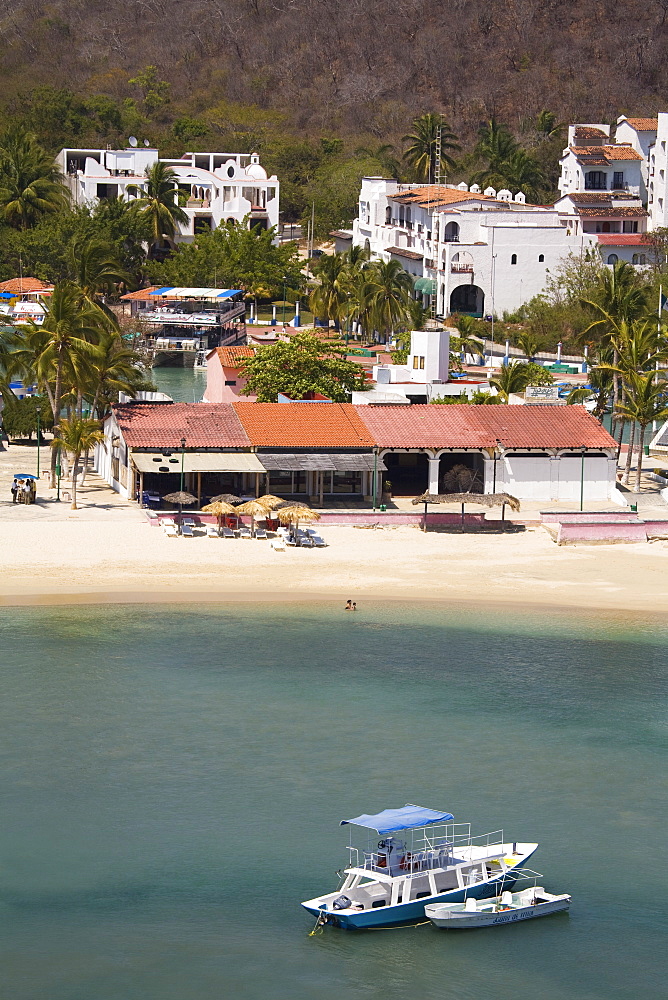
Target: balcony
595,185
461,268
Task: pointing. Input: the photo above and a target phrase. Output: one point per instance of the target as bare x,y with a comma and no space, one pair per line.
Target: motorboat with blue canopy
422,857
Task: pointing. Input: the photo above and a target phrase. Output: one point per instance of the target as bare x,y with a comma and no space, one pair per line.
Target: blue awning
9,295
406,818
228,293
159,291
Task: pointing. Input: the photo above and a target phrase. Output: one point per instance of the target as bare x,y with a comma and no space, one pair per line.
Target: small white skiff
507,908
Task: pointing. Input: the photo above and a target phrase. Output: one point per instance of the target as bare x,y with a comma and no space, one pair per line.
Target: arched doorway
467,299
407,471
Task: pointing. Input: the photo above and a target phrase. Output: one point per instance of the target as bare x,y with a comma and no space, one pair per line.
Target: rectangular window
631,227
421,362
231,382
618,179
416,361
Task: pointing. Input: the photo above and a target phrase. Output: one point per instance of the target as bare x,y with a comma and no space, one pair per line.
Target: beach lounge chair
212,531
319,542
189,521
244,533
260,533
186,529
289,541
278,544
226,532
305,541
166,520
170,530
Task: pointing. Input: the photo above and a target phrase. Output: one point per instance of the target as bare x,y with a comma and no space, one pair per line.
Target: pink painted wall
216,376
638,531
598,517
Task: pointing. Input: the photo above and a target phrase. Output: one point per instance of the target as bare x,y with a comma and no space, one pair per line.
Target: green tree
644,401
154,91
527,342
421,151
517,375
31,186
160,201
76,435
329,298
302,366
384,155
233,257
97,271
19,417
494,148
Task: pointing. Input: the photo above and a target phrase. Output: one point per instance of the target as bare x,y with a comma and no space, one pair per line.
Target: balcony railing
461,268
595,186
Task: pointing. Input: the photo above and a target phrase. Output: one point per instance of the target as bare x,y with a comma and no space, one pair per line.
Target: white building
216,187
479,252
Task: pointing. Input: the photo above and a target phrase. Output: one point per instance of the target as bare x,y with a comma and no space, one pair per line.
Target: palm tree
421,153
328,300
388,294
495,147
97,271
513,378
58,351
114,368
527,342
76,435
384,155
31,185
600,382
546,126
645,401
521,172
160,200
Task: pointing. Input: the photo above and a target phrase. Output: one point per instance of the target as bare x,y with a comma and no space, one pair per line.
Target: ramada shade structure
482,499
219,507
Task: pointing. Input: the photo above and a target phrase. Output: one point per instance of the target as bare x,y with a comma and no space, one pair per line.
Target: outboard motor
341,903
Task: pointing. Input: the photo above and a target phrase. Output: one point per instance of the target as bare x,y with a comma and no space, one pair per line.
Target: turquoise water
184,385
173,782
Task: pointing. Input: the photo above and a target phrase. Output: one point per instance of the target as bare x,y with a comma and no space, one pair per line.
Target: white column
554,477
434,469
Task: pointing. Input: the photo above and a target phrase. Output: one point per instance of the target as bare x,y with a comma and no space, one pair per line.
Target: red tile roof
232,357
162,425
24,285
303,425
468,426
624,239
600,155
644,124
612,210
402,252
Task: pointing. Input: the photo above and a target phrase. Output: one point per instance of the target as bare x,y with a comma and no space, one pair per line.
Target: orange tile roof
23,285
433,194
141,295
644,124
232,357
303,425
606,153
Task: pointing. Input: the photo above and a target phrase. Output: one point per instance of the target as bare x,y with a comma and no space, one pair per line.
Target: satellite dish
146,142
133,141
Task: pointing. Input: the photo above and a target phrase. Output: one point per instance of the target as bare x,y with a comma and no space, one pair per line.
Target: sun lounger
166,520
186,529
319,542
170,530
289,541
278,544
260,533
212,531
189,521
244,533
227,532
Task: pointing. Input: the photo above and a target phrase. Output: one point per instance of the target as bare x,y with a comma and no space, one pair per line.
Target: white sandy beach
123,558
108,551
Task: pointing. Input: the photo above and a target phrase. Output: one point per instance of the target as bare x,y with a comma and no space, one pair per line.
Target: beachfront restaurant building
324,452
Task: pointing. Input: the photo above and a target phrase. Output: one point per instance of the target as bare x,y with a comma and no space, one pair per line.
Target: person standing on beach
15,487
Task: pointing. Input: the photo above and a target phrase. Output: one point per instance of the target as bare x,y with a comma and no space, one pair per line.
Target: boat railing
425,849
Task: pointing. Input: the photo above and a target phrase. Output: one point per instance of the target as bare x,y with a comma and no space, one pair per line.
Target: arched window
388,215
541,258
451,233
513,259
639,258
613,258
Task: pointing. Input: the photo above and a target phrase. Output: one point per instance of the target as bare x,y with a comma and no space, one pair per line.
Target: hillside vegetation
327,90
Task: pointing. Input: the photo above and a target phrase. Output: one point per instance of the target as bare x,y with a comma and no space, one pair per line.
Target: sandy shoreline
110,559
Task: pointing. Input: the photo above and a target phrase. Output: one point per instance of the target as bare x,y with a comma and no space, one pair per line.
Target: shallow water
184,385
174,780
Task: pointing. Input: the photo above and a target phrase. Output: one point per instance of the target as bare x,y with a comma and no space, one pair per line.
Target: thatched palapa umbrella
297,512
256,508
219,507
226,498
482,499
271,501
181,498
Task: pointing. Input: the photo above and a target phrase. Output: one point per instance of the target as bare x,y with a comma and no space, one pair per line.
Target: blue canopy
228,293
8,295
406,818
23,475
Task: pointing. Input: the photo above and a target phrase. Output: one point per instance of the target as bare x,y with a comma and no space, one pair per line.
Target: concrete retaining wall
598,517
611,532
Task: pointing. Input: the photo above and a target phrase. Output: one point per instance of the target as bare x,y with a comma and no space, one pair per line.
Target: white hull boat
433,861
508,908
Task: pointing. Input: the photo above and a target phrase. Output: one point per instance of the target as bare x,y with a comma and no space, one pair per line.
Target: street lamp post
183,456
38,440
58,470
285,281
